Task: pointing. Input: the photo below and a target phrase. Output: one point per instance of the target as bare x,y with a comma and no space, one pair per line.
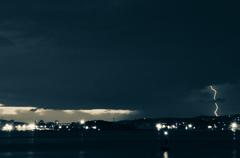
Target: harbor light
165,133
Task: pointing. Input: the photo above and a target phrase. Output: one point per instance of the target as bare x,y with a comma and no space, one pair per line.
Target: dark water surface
123,145
180,152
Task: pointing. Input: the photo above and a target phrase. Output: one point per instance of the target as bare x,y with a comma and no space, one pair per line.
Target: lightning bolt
215,100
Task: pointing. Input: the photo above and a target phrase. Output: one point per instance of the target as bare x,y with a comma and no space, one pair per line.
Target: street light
234,128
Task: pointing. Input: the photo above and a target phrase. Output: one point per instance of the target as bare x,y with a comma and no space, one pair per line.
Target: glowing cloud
27,113
13,110
107,111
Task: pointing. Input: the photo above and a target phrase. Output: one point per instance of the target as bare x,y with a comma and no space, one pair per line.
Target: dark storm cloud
144,55
5,42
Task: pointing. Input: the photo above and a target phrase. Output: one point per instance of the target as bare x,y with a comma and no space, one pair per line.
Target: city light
7,127
210,127
31,127
164,127
234,126
24,127
86,127
190,125
20,127
82,122
159,126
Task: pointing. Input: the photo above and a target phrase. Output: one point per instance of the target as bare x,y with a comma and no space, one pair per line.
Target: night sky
154,57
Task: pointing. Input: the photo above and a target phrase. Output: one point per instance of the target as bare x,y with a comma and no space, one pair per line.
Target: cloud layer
29,114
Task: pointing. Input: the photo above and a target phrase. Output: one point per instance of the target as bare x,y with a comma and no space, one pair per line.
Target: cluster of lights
32,127
7,127
189,127
186,126
29,127
93,127
160,126
234,126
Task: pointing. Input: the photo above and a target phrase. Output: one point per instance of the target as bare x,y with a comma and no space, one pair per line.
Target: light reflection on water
234,153
124,154
165,154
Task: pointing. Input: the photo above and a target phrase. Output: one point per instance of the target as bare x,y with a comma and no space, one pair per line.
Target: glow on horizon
14,110
30,113
215,100
107,111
